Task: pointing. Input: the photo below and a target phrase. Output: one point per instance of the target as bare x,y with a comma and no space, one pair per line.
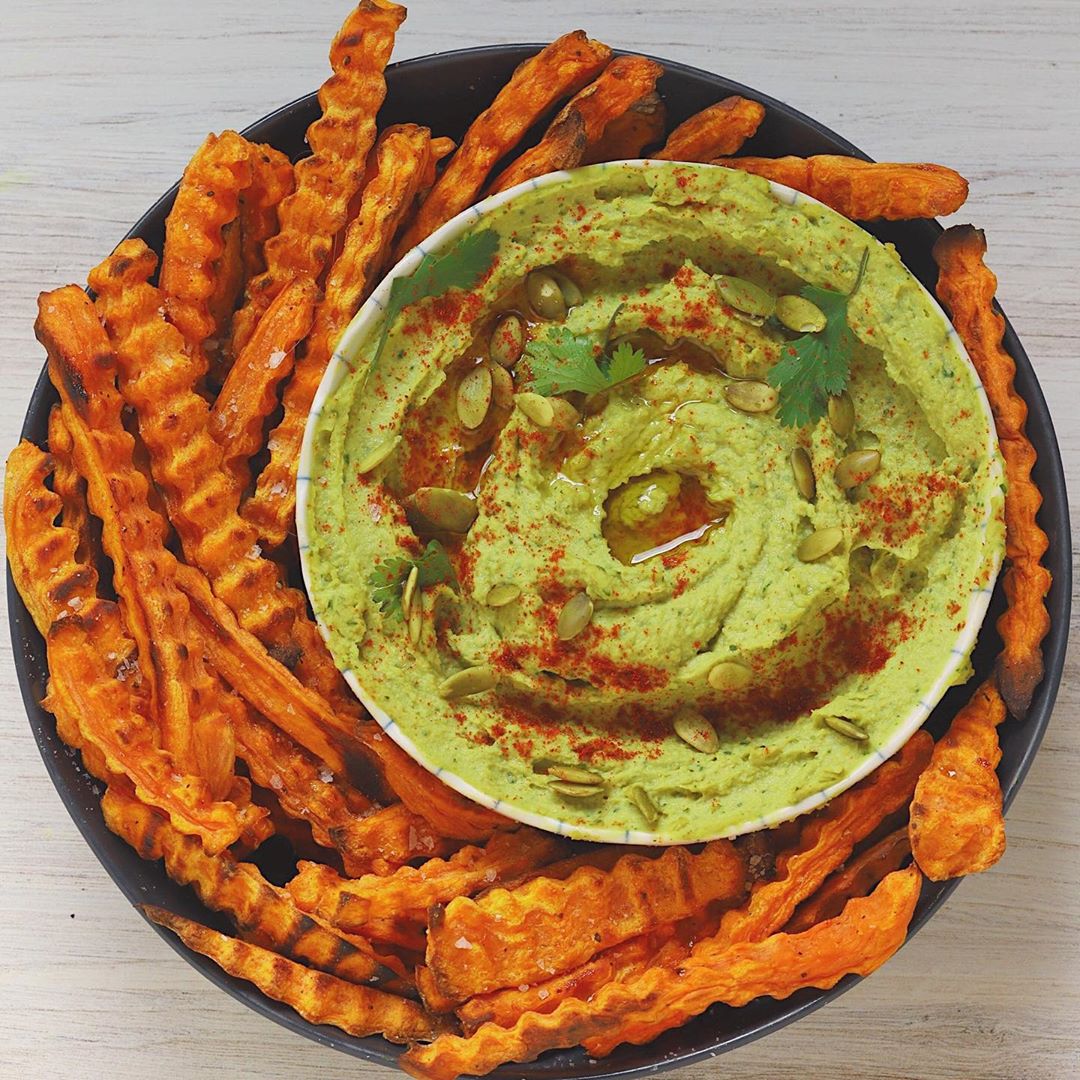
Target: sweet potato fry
401,160
228,284
717,131
858,877
69,485
316,210
628,135
546,926
376,906
249,393
966,288
861,190
272,179
379,843
556,72
957,823
583,120
318,997
868,932
192,263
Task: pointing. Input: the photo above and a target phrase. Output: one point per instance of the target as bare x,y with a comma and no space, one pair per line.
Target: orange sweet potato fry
966,288
318,997
863,190
628,135
868,932
556,72
548,926
272,179
583,120
69,485
401,159
192,264
327,180
381,842
249,393
717,131
957,823
858,877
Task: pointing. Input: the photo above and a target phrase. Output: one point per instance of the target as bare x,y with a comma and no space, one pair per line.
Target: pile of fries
203,695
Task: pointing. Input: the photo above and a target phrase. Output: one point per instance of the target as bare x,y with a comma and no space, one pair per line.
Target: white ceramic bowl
367,322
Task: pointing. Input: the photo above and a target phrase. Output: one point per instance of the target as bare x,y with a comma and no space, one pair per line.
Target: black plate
445,91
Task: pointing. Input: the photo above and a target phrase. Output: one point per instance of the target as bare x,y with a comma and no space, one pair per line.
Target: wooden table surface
102,105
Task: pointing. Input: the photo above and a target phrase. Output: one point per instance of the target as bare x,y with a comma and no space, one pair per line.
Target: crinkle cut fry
318,997
327,180
272,179
379,843
549,926
558,71
957,823
262,913
401,159
82,368
249,393
966,287
864,190
68,484
868,932
374,905
191,266
628,135
719,130
582,122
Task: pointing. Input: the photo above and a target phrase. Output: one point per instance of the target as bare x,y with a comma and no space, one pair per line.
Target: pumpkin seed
800,315
696,731
729,675
751,397
501,595
537,408
502,386
644,805
445,508
474,397
803,469
575,791
408,594
842,414
468,681
507,341
576,614
856,468
545,295
573,775
377,455
745,296
416,621
563,415
571,291
819,544
845,727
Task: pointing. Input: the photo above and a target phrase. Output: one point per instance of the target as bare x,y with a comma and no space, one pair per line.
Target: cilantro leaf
815,367
461,267
388,578
563,361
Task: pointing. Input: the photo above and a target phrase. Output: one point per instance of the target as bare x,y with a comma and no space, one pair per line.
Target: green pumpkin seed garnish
377,455
819,544
408,594
537,408
576,614
745,296
696,731
856,468
644,804
843,726
445,508
575,791
729,675
572,774
501,595
751,397
416,621
551,294
468,681
842,414
803,469
570,289
507,341
502,386
800,315
474,397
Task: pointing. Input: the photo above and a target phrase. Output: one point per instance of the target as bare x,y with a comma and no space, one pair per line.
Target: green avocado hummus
643,602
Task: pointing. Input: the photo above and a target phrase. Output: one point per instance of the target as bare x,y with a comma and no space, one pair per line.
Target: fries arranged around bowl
206,699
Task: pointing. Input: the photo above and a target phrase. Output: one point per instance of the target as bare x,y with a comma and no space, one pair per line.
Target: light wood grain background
103,103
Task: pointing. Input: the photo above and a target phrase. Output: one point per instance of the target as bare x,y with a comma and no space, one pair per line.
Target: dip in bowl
580,557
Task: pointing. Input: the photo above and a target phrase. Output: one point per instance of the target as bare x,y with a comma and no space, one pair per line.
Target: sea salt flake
463,943
273,361
276,782
326,776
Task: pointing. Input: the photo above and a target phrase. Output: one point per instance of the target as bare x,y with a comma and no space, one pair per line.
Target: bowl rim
343,363
118,861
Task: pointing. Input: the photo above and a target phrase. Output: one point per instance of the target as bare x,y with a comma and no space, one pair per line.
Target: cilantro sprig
388,579
562,362
462,267
816,366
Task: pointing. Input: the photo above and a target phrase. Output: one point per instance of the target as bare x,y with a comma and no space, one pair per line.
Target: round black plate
466,82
